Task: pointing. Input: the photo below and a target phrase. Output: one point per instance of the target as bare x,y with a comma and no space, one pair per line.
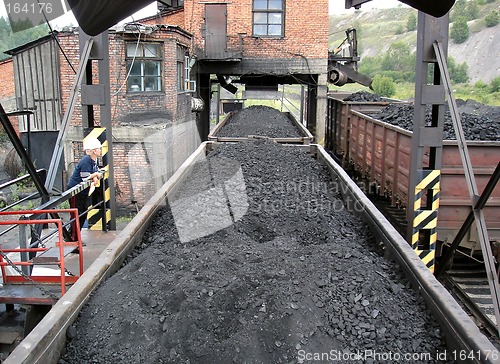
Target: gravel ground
270,123
274,271
479,122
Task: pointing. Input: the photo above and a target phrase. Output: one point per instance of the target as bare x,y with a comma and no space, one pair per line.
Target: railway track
467,280
293,280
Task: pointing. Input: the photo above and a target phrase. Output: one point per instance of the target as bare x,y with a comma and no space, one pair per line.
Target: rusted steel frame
41,279
16,142
481,202
395,178
365,152
471,184
60,228
383,169
373,151
355,141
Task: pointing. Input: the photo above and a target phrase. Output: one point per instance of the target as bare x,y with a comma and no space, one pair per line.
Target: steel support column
63,130
203,118
100,94
427,140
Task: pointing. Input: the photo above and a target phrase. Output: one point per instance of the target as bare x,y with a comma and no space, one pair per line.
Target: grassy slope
378,28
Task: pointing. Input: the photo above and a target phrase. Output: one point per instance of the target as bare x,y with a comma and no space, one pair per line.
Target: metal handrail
61,244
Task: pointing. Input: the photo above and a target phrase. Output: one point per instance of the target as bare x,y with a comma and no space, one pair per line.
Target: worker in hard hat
86,168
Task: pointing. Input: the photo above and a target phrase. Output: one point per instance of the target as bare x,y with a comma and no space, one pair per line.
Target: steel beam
481,202
59,147
482,231
94,95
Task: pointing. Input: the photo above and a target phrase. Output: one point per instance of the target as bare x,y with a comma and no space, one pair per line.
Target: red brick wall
306,28
123,104
131,162
176,17
7,79
70,43
8,90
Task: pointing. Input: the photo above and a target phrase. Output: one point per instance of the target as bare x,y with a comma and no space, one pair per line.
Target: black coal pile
363,96
262,121
255,260
479,122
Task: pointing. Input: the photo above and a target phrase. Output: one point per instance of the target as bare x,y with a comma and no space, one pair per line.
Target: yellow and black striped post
424,236
95,215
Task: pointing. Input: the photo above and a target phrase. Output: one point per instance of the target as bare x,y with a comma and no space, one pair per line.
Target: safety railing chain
27,277
37,236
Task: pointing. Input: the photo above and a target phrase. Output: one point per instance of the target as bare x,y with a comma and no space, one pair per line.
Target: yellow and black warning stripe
94,216
425,220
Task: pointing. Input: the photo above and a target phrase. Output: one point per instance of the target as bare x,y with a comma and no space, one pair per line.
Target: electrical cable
131,65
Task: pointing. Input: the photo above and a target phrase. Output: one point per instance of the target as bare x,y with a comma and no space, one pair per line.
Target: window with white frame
181,68
144,62
268,18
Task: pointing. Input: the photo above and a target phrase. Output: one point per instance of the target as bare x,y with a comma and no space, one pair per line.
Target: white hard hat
91,143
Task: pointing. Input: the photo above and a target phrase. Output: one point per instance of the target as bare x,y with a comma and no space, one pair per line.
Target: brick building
158,64
154,129
7,91
257,43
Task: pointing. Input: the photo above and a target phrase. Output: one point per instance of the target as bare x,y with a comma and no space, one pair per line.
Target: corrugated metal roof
28,45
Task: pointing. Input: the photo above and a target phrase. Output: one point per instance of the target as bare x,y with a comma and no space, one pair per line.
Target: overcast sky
335,7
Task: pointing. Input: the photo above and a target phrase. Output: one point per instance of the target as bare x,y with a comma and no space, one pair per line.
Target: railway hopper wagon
236,278
340,105
238,126
378,153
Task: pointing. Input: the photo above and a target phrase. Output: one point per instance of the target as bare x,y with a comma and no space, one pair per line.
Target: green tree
398,58
459,30
495,84
370,66
472,10
411,23
458,72
383,86
492,19
9,40
481,85
459,10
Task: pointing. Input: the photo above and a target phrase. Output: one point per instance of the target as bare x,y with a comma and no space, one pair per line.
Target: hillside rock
477,51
